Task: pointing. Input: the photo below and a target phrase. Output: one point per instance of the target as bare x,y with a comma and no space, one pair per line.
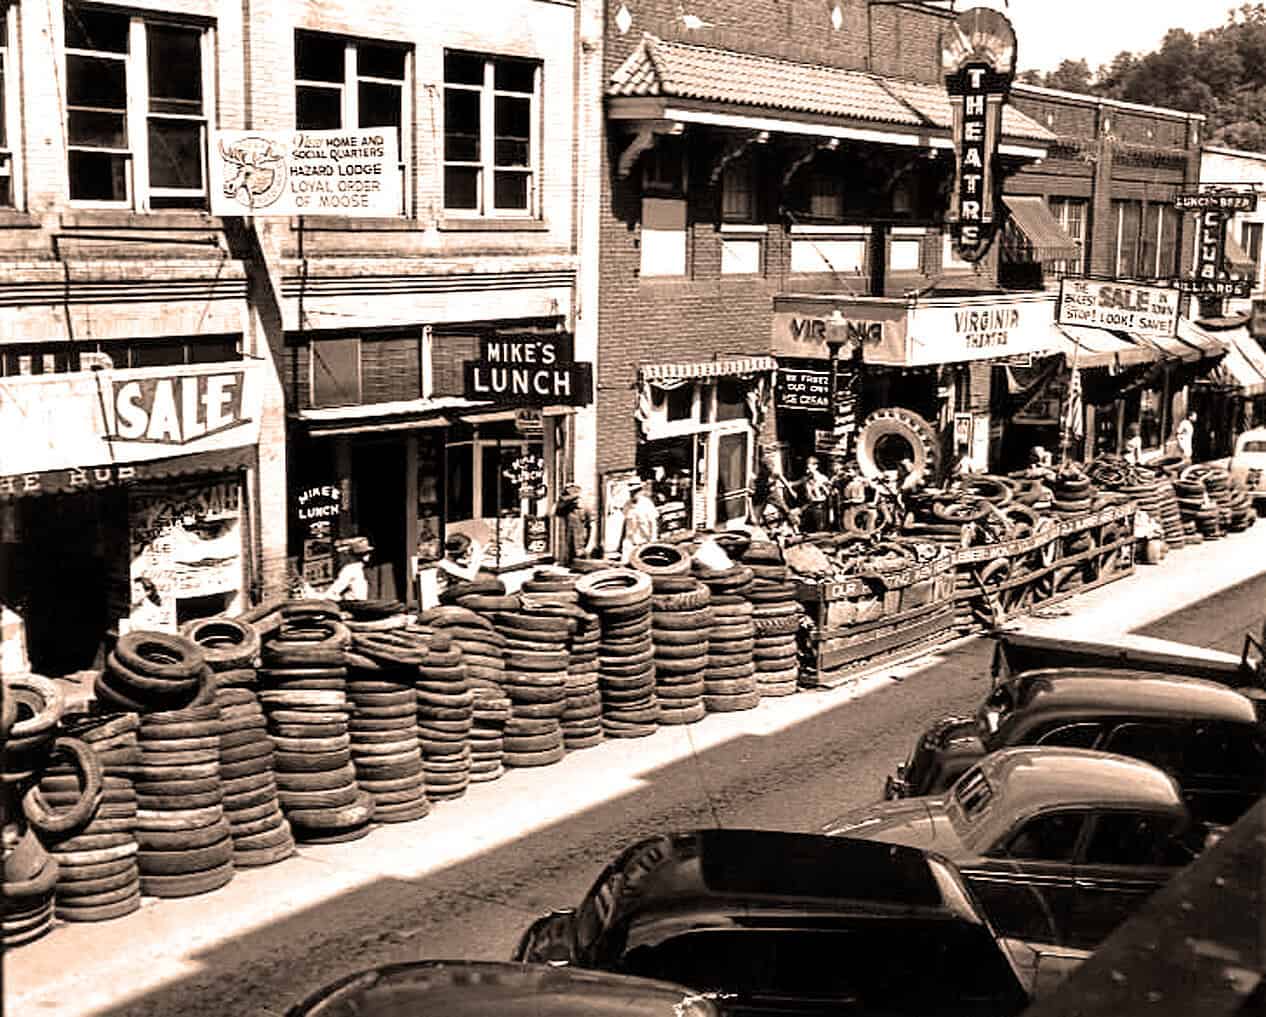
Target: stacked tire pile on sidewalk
681,617
303,688
445,717
383,733
621,598
536,685
776,616
185,844
730,682
261,834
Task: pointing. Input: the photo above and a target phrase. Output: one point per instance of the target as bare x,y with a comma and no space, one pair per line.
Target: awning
707,369
91,478
1237,259
1097,347
1244,365
1206,343
403,415
1045,236
685,82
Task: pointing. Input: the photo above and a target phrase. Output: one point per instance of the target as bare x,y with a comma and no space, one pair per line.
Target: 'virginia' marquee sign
978,53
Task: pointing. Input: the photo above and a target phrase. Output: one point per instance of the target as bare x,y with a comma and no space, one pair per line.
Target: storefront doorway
378,497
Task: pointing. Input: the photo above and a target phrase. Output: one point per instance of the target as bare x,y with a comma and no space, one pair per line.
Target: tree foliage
1220,73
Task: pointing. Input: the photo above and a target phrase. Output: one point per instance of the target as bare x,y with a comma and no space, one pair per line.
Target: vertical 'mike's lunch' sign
978,55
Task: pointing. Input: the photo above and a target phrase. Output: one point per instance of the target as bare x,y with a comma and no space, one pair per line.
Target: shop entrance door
378,508
734,455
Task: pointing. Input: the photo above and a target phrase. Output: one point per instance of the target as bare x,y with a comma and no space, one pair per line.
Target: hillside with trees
1220,73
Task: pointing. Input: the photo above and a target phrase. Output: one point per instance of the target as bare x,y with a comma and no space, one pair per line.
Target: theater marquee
978,53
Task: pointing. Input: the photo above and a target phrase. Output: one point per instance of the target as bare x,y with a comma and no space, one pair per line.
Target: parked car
1059,845
481,988
789,923
1204,734
1248,463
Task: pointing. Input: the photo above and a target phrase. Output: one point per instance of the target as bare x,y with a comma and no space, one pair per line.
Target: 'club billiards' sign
978,59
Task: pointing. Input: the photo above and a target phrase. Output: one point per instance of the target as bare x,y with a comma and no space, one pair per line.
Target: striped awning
1244,366
722,368
1098,347
1044,235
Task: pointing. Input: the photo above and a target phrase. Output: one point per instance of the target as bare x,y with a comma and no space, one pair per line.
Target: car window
1226,749
1048,838
1158,744
1128,838
1253,446
1072,736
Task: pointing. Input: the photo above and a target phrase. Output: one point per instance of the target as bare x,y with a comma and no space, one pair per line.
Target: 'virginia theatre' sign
978,53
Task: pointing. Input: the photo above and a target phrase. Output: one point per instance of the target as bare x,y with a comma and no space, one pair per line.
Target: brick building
776,179
173,381
1110,182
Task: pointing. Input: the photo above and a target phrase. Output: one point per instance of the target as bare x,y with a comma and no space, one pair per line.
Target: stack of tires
88,822
1243,512
536,684
582,712
482,646
679,631
303,688
30,874
1156,497
621,598
445,705
1217,483
1074,493
382,672
1201,516
261,833
730,681
490,712
776,614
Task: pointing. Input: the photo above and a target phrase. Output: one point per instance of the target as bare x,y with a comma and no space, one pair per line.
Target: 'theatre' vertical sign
978,55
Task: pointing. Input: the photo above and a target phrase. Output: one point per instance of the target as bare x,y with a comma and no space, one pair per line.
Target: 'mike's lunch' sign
978,54
528,370
87,419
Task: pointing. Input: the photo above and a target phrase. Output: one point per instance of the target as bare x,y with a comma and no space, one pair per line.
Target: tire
187,885
159,655
862,521
226,643
731,704
614,588
43,818
960,512
43,698
659,559
528,759
898,422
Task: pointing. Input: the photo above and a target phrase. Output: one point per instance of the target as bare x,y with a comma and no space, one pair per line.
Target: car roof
1252,434
1106,692
480,988
726,870
1037,778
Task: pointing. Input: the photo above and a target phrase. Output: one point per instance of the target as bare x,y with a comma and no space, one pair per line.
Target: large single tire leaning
896,421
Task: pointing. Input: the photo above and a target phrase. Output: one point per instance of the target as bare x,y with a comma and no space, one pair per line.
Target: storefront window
461,482
733,456
680,402
671,466
1150,418
730,403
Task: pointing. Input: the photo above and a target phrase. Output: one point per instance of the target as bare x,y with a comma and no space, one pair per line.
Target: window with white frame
8,107
1070,213
738,193
492,146
138,105
1251,241
343,83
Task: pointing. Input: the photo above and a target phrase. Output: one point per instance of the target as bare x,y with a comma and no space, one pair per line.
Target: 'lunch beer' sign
978,59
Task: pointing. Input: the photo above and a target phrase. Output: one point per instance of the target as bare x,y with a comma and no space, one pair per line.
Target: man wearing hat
461,562
641,519
352,583
578,528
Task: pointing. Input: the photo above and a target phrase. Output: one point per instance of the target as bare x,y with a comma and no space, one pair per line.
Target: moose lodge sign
978,56
528,370
306,173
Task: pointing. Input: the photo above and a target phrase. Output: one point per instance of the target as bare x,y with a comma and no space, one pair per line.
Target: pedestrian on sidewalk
1186,436
351,582
1134,445
578,526
641,519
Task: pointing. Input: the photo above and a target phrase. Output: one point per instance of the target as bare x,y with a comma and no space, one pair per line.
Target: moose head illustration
254,171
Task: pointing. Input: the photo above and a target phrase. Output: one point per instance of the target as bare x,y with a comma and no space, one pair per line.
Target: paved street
798,763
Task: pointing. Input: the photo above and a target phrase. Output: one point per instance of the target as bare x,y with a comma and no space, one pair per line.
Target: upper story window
8,108
138,105
492,147
1070,213
826,196
1251,241
344,83
664,172
738,193
1146,240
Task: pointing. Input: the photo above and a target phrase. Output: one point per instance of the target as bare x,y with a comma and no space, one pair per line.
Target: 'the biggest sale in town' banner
306,173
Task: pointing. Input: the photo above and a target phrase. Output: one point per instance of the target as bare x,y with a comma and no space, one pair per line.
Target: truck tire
896,422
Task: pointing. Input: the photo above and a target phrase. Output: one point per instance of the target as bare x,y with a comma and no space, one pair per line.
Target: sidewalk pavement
83,969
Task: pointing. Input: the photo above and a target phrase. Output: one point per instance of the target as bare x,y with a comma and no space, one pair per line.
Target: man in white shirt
352,583
1186,436
641,520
